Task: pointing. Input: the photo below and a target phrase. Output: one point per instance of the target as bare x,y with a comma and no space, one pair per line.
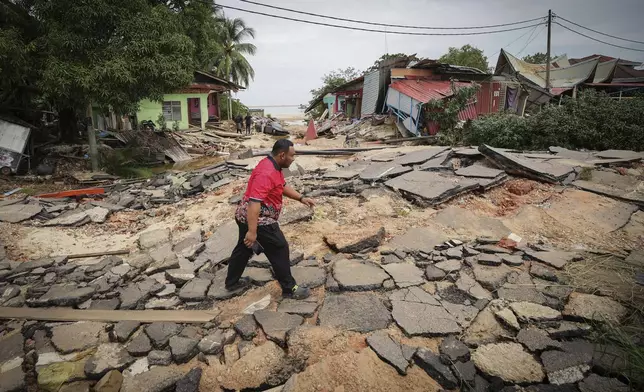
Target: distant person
257,216
239,121
249,122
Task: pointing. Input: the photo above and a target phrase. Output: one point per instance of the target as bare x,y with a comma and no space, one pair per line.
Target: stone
159,358
535,339
508,318
121,270
123,330
432,365
491,278
485,328
97,214
183,349
419,239
221,243
139,366
512,260
246,327
160,332
563,367
358,276
454,253
105,304
568,329
169,289
152,238
140,261
9,292
195,290
331,284
310,277
218,287
78,386
163,259
589,307
163,303
178,276
423,319
509,362
404,274
342,243
140,345
190,382
531,312
158,379
133,295
595,383
258,276
231,354
66,295
51,377
108,356
472,288
414,294
389,351
305,308
432,273
390,259
454,350
553,258
212,343
463,314
78,336
358,312
276,324
111,382
448,266
264,366
31,265
541,271
489,259
12,376
465,371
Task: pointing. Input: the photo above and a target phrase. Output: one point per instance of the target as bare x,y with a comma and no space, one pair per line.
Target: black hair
281,145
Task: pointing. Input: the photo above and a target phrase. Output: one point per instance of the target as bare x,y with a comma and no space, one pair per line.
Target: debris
358,276
509,362
589,307
432,365
563,367
396,354
340,244
404,274
545,170
277,324
430,187
358,312
530,312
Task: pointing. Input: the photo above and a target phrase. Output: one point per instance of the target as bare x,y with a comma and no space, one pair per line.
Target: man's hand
250,238
309,202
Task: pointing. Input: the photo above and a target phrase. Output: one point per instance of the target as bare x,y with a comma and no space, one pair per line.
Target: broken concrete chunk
182,348
276,324
108,356
341,244
358,276
357,312
508,318
530,312
123,330
563,367
431,187
595,383
454,350
591,307
152,238
432,365
389,350
160,332
419,239
509,362
19,212
421,319
535,339
554,258
405,275
544,170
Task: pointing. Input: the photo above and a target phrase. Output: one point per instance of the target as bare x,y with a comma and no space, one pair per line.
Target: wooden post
91,136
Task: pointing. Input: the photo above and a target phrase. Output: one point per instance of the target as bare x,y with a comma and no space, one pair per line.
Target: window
172,110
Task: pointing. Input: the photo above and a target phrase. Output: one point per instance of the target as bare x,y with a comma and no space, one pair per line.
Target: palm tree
231,63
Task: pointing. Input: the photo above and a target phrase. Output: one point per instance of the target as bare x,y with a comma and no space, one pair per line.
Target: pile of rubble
505,312
368,128
160,190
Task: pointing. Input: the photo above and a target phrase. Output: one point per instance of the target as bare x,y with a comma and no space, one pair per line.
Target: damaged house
194,105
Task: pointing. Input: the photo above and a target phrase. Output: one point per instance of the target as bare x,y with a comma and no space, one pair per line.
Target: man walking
239,123
249,122
257,216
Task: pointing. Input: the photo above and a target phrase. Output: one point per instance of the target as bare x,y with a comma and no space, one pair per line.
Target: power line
386,24
511,43
530,41
598,40
598,32
373,30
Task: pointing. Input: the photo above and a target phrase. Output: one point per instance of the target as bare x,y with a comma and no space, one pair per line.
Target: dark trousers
275,249
248,128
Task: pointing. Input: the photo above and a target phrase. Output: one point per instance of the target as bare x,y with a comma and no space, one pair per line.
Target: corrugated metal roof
425,90
605,71
370,92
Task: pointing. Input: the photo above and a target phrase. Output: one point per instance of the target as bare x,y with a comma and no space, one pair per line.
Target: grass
586,174
626,338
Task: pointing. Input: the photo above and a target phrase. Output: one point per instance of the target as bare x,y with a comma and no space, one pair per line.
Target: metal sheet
370,92
13,137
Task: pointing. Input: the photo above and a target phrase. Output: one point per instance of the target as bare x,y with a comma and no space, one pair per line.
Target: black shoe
297,292
242,283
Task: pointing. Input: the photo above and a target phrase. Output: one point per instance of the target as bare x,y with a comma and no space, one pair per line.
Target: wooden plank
75,192
144,316
98,254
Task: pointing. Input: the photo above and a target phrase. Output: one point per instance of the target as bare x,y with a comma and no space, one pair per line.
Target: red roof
425,90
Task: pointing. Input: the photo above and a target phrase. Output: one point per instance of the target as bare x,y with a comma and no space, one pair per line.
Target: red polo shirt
265,185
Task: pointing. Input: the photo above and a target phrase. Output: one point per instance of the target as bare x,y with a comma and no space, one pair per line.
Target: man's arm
252,217
295,195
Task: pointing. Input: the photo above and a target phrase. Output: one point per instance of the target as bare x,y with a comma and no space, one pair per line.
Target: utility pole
91,136
548,51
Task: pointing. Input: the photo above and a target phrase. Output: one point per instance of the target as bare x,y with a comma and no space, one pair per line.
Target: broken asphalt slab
354,312
547,171
418,239
389,350
382,171
16,213
433,188
358,276
420,156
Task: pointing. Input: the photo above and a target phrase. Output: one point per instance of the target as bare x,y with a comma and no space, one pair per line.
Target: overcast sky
292,57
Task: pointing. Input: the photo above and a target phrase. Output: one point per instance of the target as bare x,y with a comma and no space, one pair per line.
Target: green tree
330,82
467,56
537,58
231,63
445,113
387,56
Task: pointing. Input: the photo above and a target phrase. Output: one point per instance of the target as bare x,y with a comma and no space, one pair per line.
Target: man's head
283,153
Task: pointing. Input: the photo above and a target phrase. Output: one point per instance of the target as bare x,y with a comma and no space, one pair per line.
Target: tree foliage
65,54
538,58
593,121
467,56
445,112
387,56
331,81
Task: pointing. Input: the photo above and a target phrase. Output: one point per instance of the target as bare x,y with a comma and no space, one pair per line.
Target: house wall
150,110
213,105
